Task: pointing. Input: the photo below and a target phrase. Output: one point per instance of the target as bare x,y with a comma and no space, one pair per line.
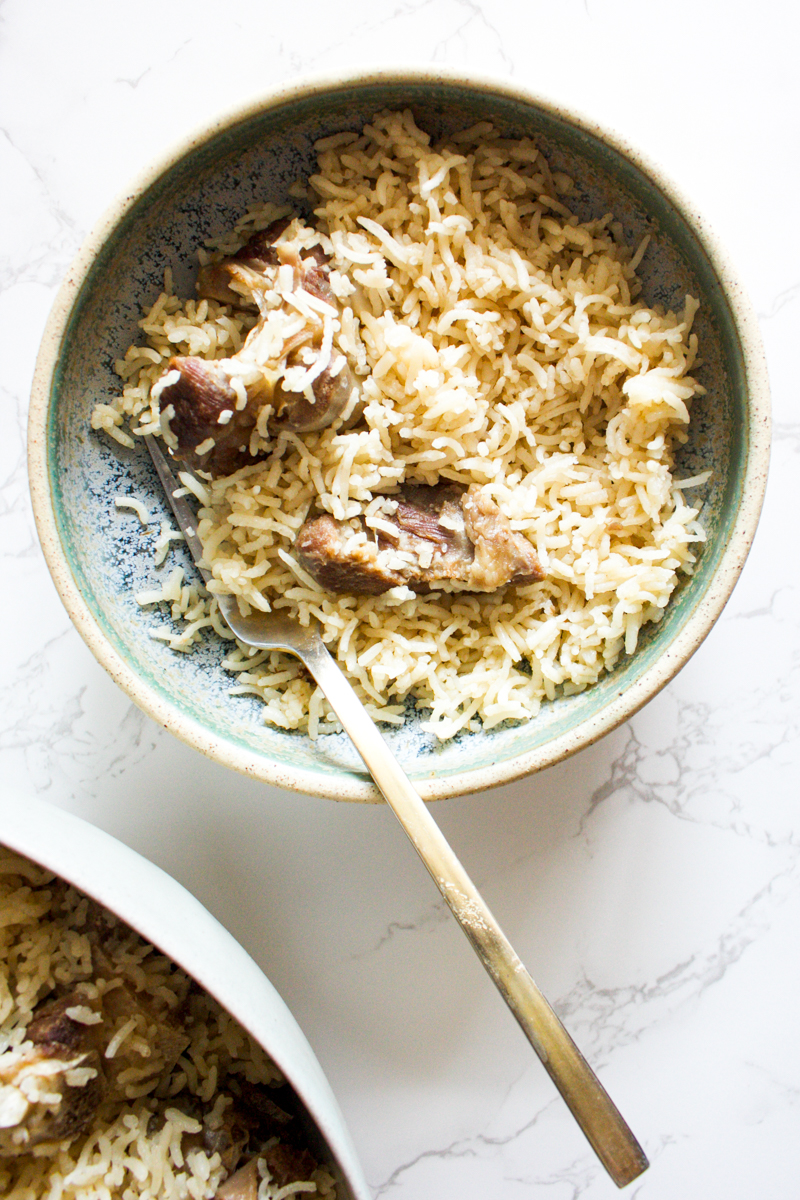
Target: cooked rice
498,340
135,506
133,1149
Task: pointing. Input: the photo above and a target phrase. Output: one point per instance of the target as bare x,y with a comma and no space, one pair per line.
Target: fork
587,1099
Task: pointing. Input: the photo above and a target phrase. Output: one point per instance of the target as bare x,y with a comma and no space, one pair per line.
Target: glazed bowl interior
100,557
166,915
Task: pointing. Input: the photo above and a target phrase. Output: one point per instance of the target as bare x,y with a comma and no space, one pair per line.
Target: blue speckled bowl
99,556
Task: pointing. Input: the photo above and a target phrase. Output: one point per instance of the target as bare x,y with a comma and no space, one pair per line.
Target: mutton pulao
433,416
120,1076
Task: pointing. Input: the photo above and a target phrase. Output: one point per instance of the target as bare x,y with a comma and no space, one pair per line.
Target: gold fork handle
590,1104
593,1109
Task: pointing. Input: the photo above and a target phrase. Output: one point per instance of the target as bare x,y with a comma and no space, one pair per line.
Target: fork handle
587,1099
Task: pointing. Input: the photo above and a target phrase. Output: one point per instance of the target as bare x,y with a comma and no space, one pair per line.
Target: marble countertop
652,882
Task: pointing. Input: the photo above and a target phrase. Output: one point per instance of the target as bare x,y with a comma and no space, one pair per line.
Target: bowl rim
621,706
169,916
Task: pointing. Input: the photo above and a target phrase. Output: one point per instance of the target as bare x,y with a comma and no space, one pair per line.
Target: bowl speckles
92,548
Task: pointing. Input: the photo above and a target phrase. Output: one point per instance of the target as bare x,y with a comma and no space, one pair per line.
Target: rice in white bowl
497,340
158,1128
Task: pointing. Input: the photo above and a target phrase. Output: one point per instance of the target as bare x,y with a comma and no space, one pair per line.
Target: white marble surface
651,883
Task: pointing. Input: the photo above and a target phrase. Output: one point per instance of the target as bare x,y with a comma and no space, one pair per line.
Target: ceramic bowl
255,155
165,914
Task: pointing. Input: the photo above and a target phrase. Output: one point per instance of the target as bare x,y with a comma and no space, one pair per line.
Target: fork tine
184,513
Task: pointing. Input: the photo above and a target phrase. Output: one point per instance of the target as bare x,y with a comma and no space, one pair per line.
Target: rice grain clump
119,1076
495,341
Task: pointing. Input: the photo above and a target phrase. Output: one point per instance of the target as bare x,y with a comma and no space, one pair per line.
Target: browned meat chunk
234,280
286,1164
203,394
56,1033
195,402
315,276
63,1062
230,1137
215,280
241,1186
198,399
248,1125
295,412
324,549
27,1123
260,250
501,555
166,1036
51,1086
440,533
259,1104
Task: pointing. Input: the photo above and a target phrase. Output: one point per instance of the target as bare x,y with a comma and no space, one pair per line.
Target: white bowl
164,913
